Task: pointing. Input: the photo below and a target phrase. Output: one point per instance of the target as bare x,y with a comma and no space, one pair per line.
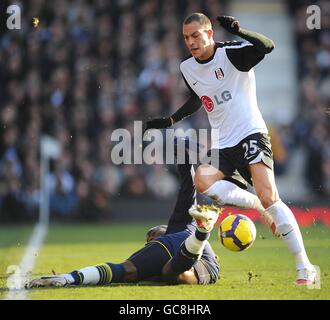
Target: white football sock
91,275
195,246
225,192
287,225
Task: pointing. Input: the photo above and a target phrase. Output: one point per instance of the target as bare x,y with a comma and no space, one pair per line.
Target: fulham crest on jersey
219,73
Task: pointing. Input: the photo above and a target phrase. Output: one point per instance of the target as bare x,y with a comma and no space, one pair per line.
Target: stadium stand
93,66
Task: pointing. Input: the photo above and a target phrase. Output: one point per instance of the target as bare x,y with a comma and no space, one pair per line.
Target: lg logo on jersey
219,99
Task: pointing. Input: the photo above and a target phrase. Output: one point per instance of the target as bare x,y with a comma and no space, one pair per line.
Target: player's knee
199,184
268,196
172,277
205,176
187,277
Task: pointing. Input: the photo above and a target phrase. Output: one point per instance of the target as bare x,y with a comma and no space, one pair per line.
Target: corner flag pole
49,149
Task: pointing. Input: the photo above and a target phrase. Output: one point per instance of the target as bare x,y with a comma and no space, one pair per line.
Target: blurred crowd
312,127
93,66
88,68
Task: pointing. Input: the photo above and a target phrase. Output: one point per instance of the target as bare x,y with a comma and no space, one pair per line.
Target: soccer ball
237,232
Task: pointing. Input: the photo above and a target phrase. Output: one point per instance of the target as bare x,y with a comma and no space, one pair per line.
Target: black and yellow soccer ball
237,232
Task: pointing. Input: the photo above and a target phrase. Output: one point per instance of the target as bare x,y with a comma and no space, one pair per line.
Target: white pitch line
17,280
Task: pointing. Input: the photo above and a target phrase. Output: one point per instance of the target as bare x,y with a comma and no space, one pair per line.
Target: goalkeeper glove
159,123
229,23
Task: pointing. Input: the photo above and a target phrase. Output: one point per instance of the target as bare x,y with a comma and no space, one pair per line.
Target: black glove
229,23
159,123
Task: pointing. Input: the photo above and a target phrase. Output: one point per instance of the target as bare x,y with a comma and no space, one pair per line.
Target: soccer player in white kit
220,77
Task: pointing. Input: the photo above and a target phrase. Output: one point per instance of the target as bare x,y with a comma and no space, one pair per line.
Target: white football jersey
227,94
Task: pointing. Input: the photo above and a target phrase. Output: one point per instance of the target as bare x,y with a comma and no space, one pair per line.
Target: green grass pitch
265,271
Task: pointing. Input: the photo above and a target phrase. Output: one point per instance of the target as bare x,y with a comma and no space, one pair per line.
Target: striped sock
78,277
100,274
105,273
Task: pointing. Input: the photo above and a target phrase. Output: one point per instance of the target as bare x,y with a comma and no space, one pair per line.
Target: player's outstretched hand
158,123
229,23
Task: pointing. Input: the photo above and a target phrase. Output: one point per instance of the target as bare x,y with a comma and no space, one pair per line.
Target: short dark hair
199,17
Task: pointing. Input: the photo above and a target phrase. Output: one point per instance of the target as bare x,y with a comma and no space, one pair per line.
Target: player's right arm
192,105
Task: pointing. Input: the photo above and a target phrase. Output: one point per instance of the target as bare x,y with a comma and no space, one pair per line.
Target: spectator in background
161,183
279,150
312,127
61,186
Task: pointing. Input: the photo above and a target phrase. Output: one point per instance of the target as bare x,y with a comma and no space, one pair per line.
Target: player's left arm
248,56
